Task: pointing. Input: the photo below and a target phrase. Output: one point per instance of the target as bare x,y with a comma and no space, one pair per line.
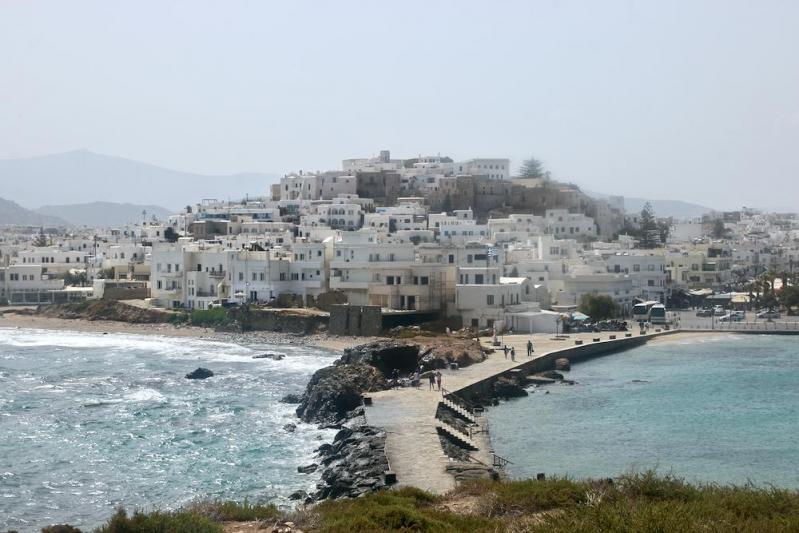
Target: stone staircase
461,438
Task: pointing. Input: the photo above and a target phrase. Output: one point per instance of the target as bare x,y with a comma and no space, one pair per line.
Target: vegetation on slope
637,502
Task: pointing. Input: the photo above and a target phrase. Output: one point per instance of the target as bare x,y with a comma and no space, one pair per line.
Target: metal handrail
500,462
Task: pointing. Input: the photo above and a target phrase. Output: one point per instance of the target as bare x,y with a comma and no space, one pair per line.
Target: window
282,276
254,276
261,275
478,279
451,258
389,280
636,268
490,299
650,282
241,276
425,280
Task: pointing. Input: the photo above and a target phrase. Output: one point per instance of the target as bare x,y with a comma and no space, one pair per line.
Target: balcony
220,274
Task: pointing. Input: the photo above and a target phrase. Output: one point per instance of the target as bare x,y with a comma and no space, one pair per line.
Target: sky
691,100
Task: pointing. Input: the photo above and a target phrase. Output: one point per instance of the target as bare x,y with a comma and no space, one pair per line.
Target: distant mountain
662,208
82,176
13,213
99,214
667,208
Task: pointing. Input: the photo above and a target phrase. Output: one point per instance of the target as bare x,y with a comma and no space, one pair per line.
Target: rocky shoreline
355,463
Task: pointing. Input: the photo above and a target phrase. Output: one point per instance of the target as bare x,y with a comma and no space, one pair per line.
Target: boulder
336,390
298,495
200,373
551,374
508,388
307,469
269,355
562,363
291,398
290,428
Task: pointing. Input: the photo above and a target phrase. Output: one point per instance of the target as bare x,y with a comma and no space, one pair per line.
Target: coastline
322,340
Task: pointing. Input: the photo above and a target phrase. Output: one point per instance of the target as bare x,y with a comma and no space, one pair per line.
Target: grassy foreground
637,502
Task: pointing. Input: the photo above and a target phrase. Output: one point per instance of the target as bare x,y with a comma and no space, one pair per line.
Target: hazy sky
694,100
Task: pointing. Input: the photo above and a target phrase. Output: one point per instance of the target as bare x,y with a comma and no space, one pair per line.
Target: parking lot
689,320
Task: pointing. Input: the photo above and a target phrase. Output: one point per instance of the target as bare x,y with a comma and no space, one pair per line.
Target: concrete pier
408,415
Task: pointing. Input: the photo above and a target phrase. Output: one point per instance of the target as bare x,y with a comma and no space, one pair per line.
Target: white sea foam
145,395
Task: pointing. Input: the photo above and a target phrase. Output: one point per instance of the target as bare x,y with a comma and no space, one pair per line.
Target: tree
41,239
533,168
170,234
718,229
650,234
789,297
598,306
75,278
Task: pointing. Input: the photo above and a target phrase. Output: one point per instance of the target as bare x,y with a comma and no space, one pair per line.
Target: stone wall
357,320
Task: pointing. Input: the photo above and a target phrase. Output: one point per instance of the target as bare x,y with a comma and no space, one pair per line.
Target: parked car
704,312
735,316
719,311
770,315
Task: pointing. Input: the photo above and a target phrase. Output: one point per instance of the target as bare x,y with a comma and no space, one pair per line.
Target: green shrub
178,318
210,317
160,522
234,511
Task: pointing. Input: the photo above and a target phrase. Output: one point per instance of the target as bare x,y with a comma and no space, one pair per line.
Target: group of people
434,378
512,350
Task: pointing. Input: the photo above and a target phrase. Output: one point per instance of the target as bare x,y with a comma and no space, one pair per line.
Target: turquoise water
723,409
89,421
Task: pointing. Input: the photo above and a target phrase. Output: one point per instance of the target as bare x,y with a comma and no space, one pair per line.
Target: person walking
505,349
438,378
530,348
395,378
432,380
513,354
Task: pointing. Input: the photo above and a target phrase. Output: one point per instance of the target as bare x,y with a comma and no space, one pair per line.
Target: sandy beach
328,342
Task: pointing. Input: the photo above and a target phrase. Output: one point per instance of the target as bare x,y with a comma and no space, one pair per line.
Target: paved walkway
408,415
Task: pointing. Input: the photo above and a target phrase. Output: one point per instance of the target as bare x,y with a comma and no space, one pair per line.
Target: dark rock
325,449
354,464
508,388
60,528
383,355
551,374
298,495
291,398
290,428
200,373
269,355
307,469
562,363
334,391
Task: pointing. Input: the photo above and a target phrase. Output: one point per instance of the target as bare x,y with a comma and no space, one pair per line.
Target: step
457,435
464,414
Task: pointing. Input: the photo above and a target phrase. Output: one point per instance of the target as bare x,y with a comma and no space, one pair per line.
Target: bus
657,314
641,311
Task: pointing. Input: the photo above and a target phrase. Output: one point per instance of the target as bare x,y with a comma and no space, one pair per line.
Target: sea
92,421
720,409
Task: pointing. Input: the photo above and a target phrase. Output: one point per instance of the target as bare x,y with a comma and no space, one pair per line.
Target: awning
579,316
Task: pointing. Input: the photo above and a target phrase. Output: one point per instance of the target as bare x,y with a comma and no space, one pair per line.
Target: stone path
408,415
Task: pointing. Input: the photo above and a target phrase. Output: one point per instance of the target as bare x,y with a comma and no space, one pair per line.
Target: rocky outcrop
383,355
107,310
200,373
269,355
291,398
551,374
508,388
355,464
336,390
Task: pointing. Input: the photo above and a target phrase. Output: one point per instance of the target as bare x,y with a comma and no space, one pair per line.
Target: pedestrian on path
438,378
395,378
432,379
505,349
530,348
513,354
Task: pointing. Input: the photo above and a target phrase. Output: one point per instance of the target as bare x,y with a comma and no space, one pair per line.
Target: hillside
82,176
667,208
13,213
103,214
678,209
